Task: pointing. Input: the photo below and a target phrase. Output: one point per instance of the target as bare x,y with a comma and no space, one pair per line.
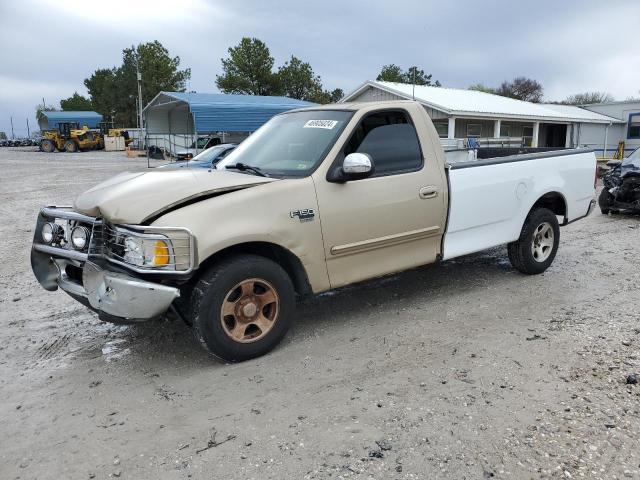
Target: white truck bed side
490,199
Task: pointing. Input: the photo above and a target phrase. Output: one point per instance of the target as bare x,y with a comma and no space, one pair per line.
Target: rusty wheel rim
250,310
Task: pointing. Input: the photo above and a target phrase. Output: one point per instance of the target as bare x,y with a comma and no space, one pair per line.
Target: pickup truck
317,198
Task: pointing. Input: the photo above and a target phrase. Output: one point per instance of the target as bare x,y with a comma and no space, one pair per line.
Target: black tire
70,146
605,201
216,286
47,146
521,252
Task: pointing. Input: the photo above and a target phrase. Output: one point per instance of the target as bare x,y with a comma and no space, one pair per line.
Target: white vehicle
196,147
315,199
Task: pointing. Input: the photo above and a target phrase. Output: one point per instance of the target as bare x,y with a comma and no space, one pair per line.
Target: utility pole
139,76
13,137
413,93
28,131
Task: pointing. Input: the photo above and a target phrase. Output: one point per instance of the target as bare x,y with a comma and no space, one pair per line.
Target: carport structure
51,120
176,119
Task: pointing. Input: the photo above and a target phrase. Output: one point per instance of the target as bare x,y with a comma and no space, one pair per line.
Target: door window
390,139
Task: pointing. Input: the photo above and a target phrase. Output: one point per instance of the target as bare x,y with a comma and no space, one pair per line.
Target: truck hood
138,197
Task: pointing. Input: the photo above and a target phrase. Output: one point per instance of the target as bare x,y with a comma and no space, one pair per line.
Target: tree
77,103
40,108
587,97
417,76
480,87
114,91
336,95
296,79
248,70
103,89
414,75
391,73
521,88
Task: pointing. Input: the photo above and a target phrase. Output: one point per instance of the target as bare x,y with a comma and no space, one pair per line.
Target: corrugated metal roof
90,119
455,101
217,112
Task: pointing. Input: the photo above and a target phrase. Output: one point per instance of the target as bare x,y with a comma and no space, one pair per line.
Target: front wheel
537,245
605,201
242,307
70,146
47,146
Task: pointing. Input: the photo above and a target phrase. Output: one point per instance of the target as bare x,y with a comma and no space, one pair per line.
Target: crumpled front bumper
123,296
113,293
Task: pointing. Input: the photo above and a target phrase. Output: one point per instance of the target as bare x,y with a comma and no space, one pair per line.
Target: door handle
428,192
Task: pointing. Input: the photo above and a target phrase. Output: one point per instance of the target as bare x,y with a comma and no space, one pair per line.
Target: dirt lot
466,369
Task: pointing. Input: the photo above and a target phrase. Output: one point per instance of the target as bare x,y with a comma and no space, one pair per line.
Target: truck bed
489,199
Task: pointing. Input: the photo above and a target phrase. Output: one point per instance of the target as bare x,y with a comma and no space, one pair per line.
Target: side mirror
356,166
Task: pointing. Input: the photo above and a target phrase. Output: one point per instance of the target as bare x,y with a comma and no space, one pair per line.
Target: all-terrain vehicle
621,185
69,137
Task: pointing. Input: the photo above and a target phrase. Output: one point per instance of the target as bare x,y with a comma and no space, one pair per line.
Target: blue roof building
207,113
50,120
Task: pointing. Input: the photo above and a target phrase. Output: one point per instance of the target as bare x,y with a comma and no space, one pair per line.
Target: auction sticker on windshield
328,124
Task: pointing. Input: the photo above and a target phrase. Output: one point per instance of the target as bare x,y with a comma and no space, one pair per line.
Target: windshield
209,154
632,161
201,143
290,144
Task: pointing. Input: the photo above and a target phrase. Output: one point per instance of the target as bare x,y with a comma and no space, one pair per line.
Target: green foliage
76,103
414,75
114,91
391,73
248,70
296,79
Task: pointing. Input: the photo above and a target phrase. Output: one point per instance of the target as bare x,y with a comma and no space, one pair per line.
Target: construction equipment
120,132
69,137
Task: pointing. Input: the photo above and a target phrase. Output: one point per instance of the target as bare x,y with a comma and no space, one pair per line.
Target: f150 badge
304,214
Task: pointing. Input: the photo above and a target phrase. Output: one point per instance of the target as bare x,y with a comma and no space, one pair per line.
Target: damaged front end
125,273
621,187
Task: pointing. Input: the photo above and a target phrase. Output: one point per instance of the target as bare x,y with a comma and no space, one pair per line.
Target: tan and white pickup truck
316,199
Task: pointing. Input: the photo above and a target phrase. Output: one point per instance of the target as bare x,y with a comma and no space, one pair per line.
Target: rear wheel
47,146
70,146
537,245
605,201
242,307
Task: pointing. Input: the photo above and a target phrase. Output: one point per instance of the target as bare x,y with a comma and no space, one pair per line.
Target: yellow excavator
69,137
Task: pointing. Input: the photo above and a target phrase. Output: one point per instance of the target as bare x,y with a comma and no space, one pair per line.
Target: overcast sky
50,46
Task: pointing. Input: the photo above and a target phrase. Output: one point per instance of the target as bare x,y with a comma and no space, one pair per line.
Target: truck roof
356,105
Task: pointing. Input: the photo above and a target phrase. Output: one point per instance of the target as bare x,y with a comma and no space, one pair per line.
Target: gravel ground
466,369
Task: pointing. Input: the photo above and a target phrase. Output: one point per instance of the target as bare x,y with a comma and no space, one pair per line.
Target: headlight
147,252
79,237
52,233
150,249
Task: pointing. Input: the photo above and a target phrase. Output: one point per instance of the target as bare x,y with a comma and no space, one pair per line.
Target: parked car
197,146
316,199
207,159
621,185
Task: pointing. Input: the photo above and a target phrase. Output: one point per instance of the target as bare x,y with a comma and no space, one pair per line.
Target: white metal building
463,114
627,130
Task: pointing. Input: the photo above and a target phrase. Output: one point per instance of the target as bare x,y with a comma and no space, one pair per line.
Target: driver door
391,220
